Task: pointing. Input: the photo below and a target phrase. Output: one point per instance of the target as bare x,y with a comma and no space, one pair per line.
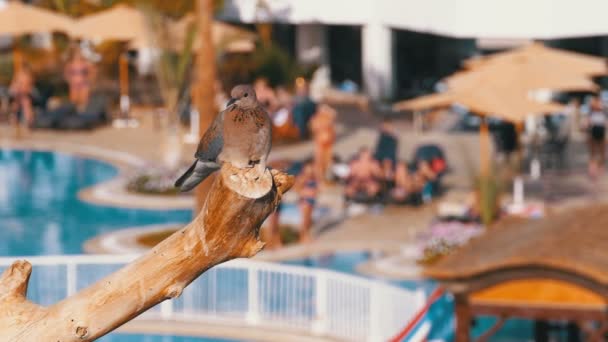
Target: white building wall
377,60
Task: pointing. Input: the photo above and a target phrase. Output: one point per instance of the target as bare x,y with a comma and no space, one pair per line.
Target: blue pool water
158,338
40,213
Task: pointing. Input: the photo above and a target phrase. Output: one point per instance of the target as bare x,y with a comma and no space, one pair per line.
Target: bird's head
243,96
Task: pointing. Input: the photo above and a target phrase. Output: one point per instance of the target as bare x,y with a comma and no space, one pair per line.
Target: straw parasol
505,104
524,76
17,19
120,22
229,37
510,105
539,56
124,23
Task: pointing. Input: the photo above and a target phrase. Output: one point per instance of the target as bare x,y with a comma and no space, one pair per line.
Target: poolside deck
384,232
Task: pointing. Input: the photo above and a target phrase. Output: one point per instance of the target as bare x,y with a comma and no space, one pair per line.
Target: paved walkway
384,231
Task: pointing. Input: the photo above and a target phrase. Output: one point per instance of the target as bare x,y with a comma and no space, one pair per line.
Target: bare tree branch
226,228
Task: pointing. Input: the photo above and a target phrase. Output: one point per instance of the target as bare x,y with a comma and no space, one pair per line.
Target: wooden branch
226,228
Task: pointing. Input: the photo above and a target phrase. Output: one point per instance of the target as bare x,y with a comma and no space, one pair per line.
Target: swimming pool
40,213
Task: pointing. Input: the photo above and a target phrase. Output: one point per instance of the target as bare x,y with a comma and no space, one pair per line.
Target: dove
240,135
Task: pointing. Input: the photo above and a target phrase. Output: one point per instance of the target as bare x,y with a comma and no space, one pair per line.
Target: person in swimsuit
365,176
405,184
324,135
22,95
79,74
307,189
597,137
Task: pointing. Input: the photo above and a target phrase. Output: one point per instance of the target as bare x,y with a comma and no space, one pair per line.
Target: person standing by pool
23,97
324,135
596,123
386,147
79,73
303,109
307,189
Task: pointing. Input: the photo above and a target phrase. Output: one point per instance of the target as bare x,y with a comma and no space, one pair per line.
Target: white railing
310,300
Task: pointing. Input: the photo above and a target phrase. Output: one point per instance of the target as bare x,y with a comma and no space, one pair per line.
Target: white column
253,311
311,44
377,60
320,324
375,313
71,278
166,309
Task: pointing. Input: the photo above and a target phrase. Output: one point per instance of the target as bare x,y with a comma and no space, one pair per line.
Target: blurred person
405,184
509,143
283,97
426,178
365,176
324,135
304,108
79,73
386,147
282,118
82,111
388,175
307,188
596,123
23,97
265,94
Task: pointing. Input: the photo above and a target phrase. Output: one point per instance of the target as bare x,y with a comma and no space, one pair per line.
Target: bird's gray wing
212,141
196,174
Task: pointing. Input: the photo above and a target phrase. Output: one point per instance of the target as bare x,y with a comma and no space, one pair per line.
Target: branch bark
226,228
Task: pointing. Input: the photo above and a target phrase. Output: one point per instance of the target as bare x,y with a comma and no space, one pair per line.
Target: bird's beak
230,102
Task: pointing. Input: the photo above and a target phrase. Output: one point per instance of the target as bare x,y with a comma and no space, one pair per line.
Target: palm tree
204,93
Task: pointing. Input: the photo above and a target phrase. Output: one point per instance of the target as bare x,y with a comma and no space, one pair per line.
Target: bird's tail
195,174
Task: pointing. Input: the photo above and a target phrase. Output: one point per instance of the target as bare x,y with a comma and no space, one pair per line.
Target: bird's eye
245,95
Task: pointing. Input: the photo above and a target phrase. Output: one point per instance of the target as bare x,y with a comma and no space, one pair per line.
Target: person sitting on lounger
23,97
83,111
364,179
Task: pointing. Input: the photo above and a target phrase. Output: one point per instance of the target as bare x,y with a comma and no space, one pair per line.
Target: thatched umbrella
539,56
121,23
520,75
226,37
124,23
17,19
118,23
506,104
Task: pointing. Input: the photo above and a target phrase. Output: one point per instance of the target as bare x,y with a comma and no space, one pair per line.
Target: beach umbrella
226,37
505,104
539,56
18,19
120,23
430,101
490,101
522,76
